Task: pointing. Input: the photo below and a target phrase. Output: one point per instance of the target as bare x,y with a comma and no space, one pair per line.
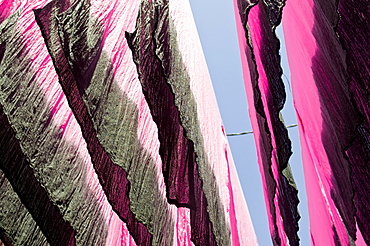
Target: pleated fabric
259,47
110,131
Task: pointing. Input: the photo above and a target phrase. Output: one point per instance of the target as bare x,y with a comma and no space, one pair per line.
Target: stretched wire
250,132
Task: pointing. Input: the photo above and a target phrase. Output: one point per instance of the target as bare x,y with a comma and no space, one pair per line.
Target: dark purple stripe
4,241
339,115
270,58
183,185
359,157
112,177
354,31
34,197
2,51
176,151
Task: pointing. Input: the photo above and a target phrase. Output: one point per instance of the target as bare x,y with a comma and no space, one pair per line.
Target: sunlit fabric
329,60
110,132
328,51
256,23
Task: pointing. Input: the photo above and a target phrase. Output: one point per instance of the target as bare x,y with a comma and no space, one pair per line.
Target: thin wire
287,81
250,132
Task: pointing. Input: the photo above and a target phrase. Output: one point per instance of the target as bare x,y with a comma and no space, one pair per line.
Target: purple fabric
334,141
353,29
266,96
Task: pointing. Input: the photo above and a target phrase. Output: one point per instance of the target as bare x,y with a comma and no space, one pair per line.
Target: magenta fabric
80,133
266,96
328,51
326,46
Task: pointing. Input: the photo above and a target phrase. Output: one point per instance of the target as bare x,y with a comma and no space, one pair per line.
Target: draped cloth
110,132
329,59
259,47
328,52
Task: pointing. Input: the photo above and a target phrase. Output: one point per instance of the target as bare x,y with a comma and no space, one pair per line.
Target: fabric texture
111,133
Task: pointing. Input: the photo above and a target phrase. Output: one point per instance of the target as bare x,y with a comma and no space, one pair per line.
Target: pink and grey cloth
111,135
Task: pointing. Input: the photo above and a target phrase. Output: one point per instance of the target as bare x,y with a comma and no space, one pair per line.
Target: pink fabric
323,214
256,31
325,118
250,98
263,123
116,17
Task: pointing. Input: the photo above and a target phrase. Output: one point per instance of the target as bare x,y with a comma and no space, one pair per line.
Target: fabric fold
259,47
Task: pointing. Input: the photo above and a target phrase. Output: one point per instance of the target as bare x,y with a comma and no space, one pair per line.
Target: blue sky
216,26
